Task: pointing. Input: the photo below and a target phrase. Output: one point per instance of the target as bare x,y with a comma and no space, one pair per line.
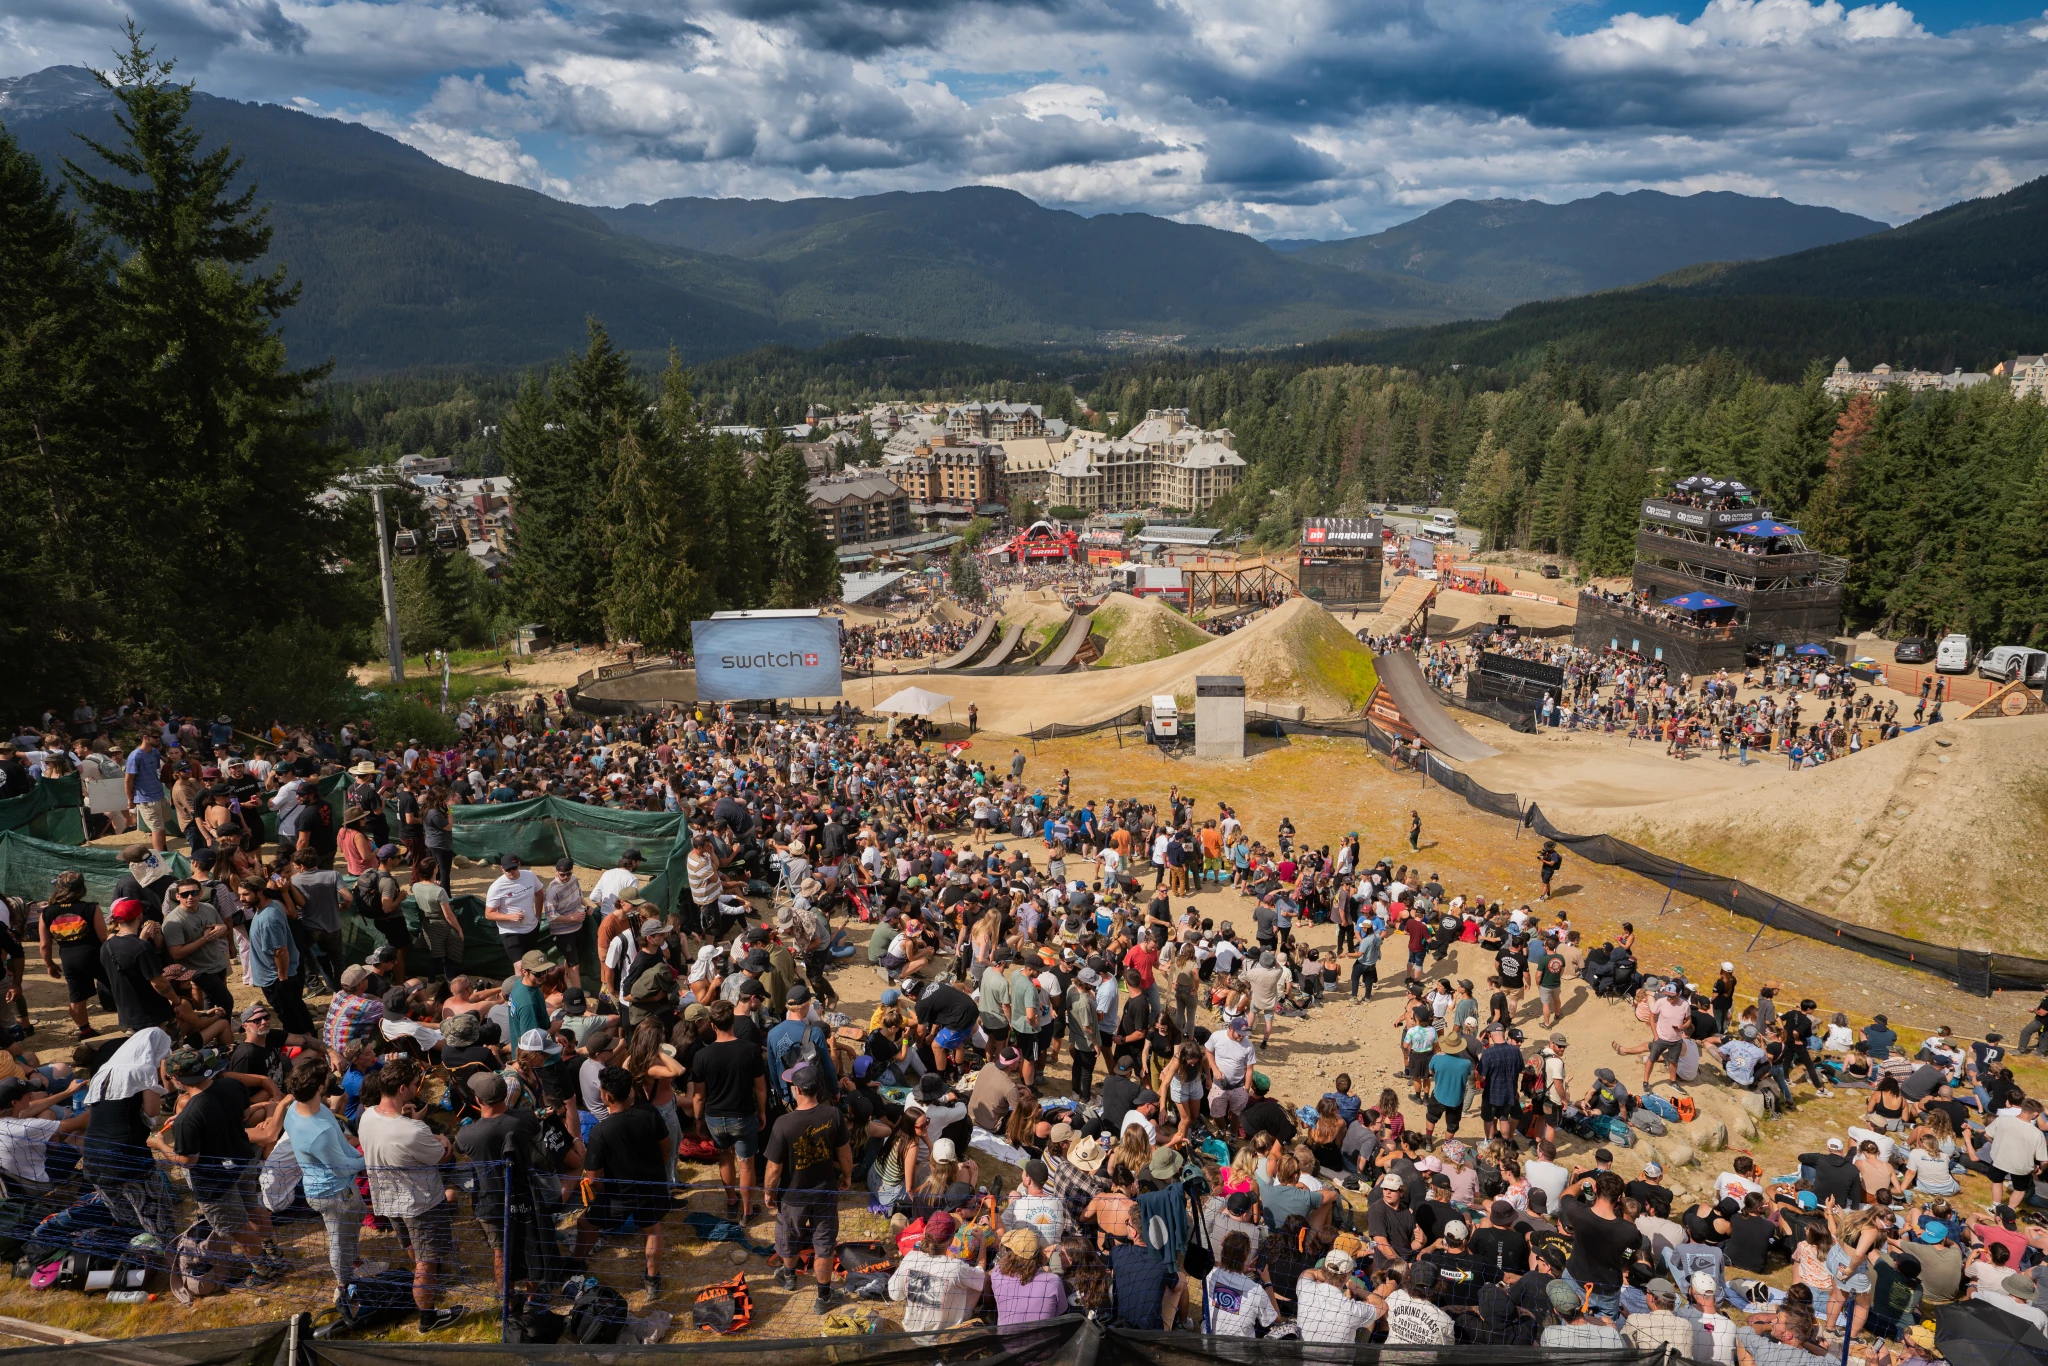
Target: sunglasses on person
188,896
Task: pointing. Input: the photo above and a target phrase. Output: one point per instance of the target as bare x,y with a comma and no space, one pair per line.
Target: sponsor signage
1356,532
1703,519
766,657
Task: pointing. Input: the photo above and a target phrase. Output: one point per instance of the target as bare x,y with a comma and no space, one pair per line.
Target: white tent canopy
915,702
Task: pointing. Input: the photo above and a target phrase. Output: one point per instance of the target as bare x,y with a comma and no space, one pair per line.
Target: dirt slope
1139,630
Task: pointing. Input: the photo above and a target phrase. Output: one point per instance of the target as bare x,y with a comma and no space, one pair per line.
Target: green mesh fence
544,829
28,864
54,810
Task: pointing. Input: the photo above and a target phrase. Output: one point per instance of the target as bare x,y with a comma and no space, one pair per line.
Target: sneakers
785,1278
1823,1093
651,1284
434,1320
824,1302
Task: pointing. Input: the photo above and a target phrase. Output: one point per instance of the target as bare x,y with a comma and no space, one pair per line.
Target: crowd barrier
1975,971
53,810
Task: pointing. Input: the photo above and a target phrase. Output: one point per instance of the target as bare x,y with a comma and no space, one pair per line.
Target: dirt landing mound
1939,834
1298,653
1139,630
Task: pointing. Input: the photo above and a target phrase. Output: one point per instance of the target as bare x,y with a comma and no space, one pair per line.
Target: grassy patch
1341,665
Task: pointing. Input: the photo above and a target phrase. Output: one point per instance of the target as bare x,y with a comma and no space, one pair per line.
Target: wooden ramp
1405,704
959,660
1071,640
1400,612
1000,656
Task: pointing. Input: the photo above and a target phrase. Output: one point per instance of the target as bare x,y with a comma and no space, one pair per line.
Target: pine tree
1794,453
868,452
1830,518
655,591
803,567
55,633
736,537
210,461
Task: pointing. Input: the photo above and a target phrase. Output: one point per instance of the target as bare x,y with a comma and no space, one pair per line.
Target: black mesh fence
1135,716
1069,1341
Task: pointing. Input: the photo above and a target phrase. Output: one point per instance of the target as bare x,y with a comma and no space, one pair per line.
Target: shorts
1031,1046
81,976
1418,1065
1489,1112
394,930
983,823
1547,995
953,1038
227,1209
807,1216
431,1235
739,1135
1660,1049
629,1211
153,818
1181,1092
1415,958
1447,1113
1228,1102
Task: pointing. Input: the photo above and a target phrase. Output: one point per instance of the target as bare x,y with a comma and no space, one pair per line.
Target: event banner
766,657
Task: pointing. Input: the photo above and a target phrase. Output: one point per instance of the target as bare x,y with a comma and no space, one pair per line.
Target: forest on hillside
1940,501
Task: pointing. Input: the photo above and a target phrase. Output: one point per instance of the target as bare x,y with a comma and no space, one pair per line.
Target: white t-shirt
1235,1305
1416,1322
1729,1186
1136,1119
1550,1178
24,1145
514,892
1109,861
1327,1314
1233,1059
613,881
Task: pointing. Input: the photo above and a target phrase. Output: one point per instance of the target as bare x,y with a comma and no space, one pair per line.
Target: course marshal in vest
743,656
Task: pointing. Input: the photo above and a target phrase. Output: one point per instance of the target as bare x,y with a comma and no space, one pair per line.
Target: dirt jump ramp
1013,636
1405,702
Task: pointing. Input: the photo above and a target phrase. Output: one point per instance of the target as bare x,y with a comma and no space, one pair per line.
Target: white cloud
1293,117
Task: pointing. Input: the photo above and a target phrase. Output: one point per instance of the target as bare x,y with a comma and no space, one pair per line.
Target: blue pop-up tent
1765,528
1696,602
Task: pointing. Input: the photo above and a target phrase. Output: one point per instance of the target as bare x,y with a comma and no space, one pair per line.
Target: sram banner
766,657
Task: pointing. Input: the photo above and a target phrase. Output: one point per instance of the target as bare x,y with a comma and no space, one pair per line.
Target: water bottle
131,1297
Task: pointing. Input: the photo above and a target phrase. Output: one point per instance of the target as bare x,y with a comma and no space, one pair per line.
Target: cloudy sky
1317,118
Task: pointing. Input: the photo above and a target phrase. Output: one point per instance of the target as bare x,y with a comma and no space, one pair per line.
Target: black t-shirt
1117,1095
948,1008
1397,1226
1798,1028
1703,1026
132,963
1510,964
626,1147
1501,1250
727,1071
1432,1215
1957,1112
115,1141
806,1144
1600,1247
210,1129
490,1142
1655,1199
1699,1228
1749,1244
1268,1116
258,1059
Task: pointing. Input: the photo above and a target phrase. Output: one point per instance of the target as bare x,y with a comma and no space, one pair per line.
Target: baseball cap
1146,1097
488,1088
1391,1182
1653,1169
1660,1286
1558,1041
353,976
1456,1231
944,1150
13,1089
891,996
804,1076
1933,1231
388,852
127,908
697,1010
1240,1202
195,1063
1834,1145
538,1041
1702,1283
1062,1132
940,1226
535,962
1671,988
1562,1296
508,860
799,995
1338,1261
574,1001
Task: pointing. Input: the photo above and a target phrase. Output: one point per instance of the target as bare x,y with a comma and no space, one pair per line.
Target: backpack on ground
1613,1129
725,1307
598,1315
205,1263
1649,1123
1659,1106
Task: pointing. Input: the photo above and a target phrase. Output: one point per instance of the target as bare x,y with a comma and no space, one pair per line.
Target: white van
2008,662
1952,656
1448,521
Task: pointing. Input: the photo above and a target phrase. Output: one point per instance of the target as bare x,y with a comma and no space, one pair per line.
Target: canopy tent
1766,527
1814,650
916,702
1696,602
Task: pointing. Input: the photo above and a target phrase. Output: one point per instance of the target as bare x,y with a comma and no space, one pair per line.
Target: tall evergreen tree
204,486
803,567
55,632
1794,453
655,591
